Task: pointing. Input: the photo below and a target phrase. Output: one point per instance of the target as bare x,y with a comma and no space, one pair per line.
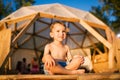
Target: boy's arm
47,58
46,53
69,56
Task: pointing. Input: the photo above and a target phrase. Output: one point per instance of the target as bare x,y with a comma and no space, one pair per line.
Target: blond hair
58,22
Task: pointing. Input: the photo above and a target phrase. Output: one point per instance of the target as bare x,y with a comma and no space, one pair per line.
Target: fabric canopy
37,33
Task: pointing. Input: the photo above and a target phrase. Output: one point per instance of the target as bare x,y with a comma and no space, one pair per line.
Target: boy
56,53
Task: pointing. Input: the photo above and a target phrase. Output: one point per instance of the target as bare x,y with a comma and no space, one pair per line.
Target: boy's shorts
62,63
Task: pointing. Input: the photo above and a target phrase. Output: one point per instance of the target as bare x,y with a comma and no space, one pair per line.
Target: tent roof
85,22
56,9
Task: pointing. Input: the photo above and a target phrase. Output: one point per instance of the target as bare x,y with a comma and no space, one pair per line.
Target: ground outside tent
25,32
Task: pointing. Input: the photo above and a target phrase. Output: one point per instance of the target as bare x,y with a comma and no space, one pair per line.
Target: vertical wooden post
118,53
5,38
9,63
112,52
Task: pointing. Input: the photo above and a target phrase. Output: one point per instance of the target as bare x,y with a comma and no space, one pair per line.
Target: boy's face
58,32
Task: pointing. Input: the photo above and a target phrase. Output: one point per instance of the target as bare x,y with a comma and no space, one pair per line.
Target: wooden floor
86,76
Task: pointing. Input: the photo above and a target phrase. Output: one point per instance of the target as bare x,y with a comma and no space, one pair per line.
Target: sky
79,4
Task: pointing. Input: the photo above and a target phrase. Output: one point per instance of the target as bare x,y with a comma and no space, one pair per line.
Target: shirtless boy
56,53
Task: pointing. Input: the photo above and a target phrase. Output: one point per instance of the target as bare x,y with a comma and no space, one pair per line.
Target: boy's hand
81,58
49,61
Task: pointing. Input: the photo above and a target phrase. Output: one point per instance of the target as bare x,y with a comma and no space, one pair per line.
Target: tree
20,3
5,8
97,11
8,6
111,10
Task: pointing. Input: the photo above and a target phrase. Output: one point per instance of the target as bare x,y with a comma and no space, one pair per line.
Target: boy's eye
63,31
58,31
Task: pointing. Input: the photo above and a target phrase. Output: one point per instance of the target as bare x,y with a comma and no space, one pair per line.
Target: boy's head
58,31
57,22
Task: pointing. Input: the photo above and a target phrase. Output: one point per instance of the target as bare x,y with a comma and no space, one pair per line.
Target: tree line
8,6
109,12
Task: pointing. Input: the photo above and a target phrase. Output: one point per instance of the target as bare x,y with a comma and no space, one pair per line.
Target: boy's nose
61,32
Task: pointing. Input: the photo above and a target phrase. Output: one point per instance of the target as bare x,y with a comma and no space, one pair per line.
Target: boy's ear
51,34
67,30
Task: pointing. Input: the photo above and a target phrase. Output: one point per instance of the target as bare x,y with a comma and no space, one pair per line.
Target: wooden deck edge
87,76
40,77
100,76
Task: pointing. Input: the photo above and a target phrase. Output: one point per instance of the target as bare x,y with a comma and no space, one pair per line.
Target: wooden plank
5,38
86,76
95,34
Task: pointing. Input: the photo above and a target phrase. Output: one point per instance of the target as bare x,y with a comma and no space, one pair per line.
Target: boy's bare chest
58,51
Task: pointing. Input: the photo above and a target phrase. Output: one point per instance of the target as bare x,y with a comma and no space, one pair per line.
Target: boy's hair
56,22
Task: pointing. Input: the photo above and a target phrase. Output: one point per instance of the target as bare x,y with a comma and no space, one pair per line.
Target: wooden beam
34,45
58,17
24,29
22,26
96,25
18,19
95,34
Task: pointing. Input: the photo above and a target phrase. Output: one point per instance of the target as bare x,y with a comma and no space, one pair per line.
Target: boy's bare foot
79,71
50,73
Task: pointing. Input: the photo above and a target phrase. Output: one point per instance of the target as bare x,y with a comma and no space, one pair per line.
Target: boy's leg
75,63
58,69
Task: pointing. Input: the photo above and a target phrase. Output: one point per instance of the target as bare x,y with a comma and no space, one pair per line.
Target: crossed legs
71,68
